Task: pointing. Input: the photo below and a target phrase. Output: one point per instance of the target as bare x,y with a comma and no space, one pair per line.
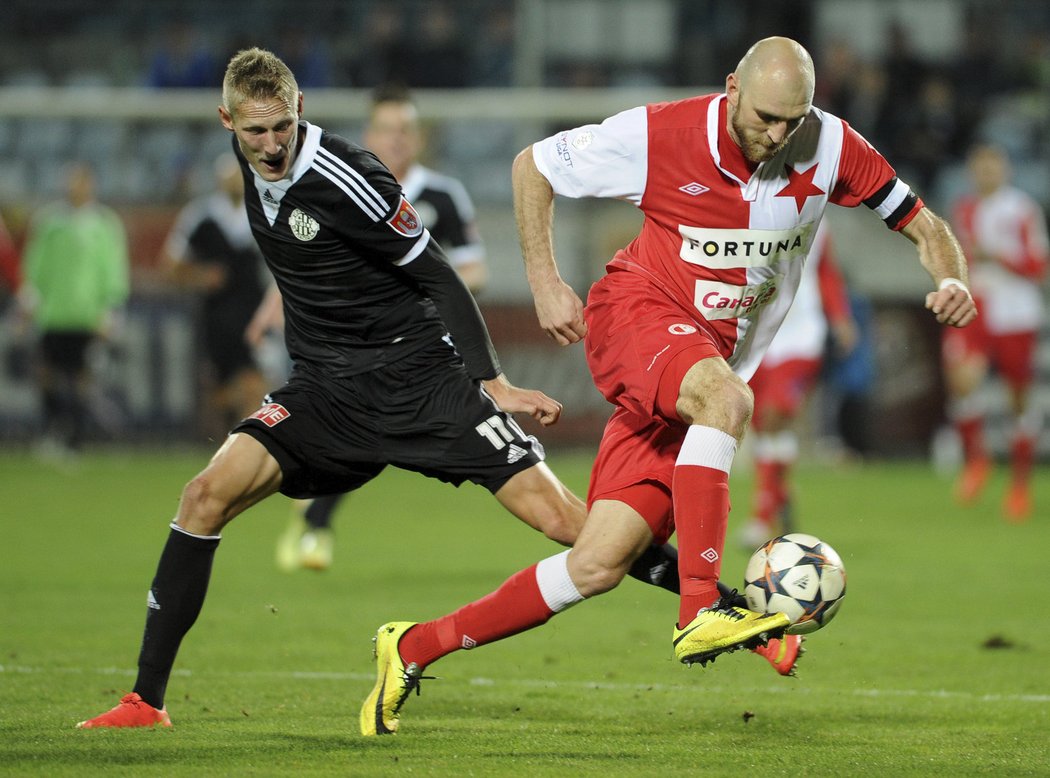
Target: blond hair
258,74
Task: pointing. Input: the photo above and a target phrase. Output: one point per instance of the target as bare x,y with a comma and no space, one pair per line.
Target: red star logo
800,186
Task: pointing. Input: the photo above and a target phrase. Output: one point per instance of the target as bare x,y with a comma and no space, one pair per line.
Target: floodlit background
937,664
132,88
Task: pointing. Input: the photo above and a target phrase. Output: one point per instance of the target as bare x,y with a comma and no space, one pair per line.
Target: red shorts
639,340
782,387
635,464
1012,354
640,344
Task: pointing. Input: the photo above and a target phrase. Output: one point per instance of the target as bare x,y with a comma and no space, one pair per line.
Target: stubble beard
753,151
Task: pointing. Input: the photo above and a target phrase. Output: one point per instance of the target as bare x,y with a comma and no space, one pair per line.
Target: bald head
770,93
780,63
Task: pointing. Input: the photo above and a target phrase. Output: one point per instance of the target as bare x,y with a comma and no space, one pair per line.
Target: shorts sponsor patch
271,414
405,220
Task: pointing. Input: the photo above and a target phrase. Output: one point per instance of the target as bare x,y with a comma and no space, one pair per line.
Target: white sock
556,586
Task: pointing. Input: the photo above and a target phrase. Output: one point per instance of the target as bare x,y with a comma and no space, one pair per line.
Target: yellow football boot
381,711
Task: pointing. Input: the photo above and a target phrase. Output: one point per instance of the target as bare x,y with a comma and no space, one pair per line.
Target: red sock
515,607
769,490
700,491
1022,455
782,487
971,432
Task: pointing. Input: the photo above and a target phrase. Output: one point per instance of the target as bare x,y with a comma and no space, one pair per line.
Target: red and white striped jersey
1009,226
726,241
822,298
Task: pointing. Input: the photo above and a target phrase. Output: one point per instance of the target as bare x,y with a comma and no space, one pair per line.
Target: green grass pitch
937,664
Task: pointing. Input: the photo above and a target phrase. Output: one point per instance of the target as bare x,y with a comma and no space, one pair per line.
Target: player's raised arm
942,257
558,307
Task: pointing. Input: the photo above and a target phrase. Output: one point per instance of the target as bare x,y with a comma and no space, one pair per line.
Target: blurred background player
211,251
10,272
75,279
783,382
394,134
1003,233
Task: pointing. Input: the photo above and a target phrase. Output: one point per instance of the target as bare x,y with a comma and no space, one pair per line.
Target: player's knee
593,576
726,404
201,511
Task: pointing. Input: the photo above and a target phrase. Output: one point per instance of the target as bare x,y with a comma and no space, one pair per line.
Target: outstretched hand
511,399
952,304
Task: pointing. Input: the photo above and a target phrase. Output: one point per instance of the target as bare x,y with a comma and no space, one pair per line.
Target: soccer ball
797,575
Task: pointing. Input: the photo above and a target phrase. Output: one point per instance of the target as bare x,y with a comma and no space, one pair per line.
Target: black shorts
423,413
65,351
224,345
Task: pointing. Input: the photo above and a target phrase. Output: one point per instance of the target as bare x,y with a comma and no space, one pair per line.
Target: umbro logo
693,188
514,453
269,197
710,555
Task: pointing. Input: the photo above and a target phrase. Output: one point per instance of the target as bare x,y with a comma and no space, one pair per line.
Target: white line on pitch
786,687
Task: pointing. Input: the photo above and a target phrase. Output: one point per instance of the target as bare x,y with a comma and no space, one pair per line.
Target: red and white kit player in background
1003,233
784,380
732,187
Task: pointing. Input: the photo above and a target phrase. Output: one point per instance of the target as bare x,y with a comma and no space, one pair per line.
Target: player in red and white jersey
732,187
784,379
1003,233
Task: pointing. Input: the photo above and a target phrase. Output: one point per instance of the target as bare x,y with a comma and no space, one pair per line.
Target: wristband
953,282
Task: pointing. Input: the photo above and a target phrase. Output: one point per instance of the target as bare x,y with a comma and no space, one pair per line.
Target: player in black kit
392,363
393,133
211,250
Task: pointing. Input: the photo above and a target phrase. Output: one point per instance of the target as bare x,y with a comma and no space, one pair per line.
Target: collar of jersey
733,164
277,189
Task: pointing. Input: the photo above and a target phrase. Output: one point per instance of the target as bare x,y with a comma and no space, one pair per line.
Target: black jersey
213,229
445,208
353,262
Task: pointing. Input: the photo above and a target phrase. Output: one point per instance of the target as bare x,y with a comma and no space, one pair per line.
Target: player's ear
732,87
225,118
300,106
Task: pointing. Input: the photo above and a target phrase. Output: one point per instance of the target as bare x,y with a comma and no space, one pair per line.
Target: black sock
736,598
319,511
175,600
658,565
